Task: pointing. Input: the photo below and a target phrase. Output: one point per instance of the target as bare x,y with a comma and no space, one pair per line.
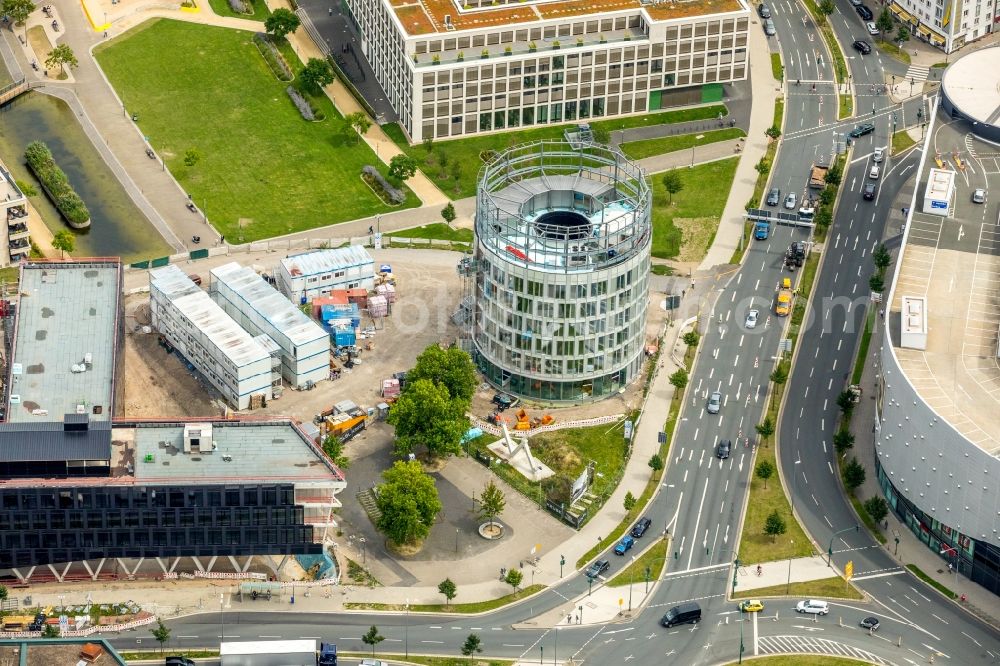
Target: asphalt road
701,499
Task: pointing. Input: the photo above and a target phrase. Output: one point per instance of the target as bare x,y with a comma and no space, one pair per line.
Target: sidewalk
765,91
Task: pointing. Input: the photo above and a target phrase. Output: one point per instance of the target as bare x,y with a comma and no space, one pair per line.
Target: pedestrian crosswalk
810,645
917,74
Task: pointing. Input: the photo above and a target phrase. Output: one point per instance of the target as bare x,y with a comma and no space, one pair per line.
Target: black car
862,47
724,449
178,661
504,401
773,197
763,11
640,527
870,190
864,12
870,623
597,568
861,130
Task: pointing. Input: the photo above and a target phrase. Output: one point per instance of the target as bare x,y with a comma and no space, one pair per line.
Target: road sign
628,430
849,569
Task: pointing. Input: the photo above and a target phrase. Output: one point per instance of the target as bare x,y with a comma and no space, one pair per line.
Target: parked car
871,189
864,12
769,27
597,568
504,401
872,28
870,622
855,3
861,130
773,197
624,545
979,196
751,321
686,613
863,47
640,528
763,11
175,660
751,606
714,403
813,606
878,155
373,662
724,448
790,200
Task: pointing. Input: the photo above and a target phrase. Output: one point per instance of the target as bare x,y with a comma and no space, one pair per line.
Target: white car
878,155
714,403
872,29
790,201
979,196
874,172
813,606
752,319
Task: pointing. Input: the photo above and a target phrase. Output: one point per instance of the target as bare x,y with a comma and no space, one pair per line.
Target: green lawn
930,581
824,588
436,661
636,572
846,107
260,10
901,141
205,88
638,150
661,269
436,231
157,655
468,152
893,51
474,607
704,196
777,69
801,660
769,153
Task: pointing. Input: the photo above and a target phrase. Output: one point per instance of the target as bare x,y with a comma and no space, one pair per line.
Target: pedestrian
46,72
222,239
329,11
950,567
371,230
105,34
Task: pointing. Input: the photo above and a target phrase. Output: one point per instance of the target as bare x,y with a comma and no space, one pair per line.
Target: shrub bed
240,6
272,56
56,185
385,190
304,107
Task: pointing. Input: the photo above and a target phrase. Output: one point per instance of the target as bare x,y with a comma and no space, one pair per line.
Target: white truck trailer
269,653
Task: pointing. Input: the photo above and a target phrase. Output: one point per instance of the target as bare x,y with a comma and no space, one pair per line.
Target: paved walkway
765,91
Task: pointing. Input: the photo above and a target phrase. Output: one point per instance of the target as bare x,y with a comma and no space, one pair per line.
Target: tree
881,257
823,218
834,175
672,183
161,633
429,144
448,588
774,526
281,22
629,501
191,157
826,7
514,578
601,135
845,401
902,33
425,414
359,123
472,646
334,448
854,474
655,462
61,55
765,428
779,375
372,638
451,368
876,283
64,241
3,592
456,175
17,10
884,23
679,379
402,167
877,508
52,631
764,471
843,440
316,75
408,502
491,502
691,338
773,132
763,166
448,212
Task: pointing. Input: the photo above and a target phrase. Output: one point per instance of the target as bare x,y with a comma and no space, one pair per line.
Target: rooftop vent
198,437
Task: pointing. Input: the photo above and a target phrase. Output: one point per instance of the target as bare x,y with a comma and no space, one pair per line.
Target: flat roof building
302,277
938,409
228,356
262,310
14,229
454,67
66,344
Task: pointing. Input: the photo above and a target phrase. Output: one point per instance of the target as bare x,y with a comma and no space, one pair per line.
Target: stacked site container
319,272
260,309
208,338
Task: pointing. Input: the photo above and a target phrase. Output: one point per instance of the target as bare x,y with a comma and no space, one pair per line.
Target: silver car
714,403
979,196
752,318
769,27
790,201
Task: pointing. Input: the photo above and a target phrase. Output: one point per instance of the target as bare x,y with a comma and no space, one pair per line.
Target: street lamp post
647,580
222,614
829,550
406,635
456,540
364,550
555,656
795,480
562,561
697,138
631,574
580,608
788,587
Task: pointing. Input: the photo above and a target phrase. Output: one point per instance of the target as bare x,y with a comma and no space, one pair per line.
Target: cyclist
760,570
